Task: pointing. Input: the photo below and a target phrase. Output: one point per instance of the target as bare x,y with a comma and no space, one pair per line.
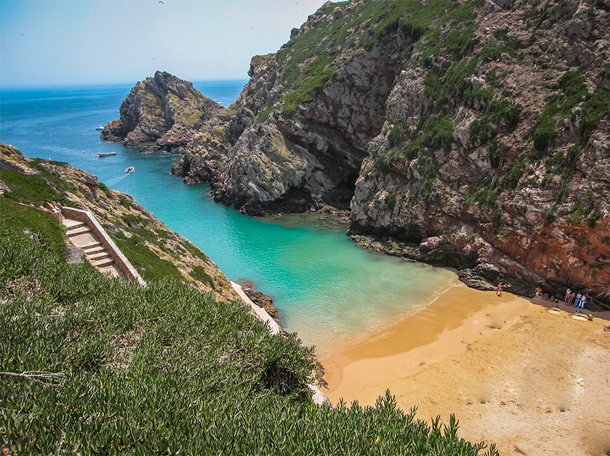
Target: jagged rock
260,299
160,113
405,102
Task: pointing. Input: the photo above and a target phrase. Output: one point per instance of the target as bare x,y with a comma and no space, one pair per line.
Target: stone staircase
81,236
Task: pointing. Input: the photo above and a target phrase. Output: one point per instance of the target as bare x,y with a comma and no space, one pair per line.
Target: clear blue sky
49,42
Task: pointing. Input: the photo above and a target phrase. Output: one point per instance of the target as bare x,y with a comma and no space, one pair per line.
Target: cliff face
304,119
498,162
154,250
160,113
469,134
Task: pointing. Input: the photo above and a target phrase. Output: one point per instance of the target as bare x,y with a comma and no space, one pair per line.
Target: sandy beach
533,382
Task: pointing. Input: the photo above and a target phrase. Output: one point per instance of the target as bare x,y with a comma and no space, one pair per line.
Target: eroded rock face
492,199
160,113
302,160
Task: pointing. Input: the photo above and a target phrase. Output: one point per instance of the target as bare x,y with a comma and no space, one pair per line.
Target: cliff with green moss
470,134
162,112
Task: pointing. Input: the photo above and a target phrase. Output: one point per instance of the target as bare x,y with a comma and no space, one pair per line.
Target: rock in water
161,113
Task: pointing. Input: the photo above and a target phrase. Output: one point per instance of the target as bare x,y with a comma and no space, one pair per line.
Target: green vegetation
570,92
390,201
499,112
36,189
483,194
398,135
544,131
95,364
594,109
585,208
105,189
125,202
513,175
147,263
40,225
308,61
199,274
435,131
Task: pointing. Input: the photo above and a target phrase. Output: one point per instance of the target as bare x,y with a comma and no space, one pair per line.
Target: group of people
576,300
573,299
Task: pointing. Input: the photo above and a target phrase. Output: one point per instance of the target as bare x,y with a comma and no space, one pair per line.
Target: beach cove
504,366
531,381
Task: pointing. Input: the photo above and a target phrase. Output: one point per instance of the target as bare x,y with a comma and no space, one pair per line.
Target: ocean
330,292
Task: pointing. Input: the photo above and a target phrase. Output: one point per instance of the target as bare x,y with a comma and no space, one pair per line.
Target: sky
67,42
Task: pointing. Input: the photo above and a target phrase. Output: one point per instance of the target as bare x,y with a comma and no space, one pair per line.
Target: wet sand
532,382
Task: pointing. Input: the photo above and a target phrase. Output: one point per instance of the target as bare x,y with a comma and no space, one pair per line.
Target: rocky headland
470,134
161,113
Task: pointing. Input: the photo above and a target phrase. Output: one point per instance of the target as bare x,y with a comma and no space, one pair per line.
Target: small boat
130,170
100,128
105,154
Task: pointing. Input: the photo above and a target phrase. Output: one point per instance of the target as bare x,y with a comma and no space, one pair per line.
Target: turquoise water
327,290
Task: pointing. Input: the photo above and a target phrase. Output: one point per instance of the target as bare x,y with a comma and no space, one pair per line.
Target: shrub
390,200
595,108
544,131
512,177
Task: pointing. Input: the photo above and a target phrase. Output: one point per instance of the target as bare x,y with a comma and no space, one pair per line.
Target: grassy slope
162,369
96,365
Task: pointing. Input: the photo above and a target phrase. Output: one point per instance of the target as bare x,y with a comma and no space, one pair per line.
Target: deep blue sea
329,291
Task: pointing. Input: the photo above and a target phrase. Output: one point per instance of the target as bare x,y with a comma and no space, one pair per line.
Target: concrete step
90,244
94,249
103,262
69,223
98,255
78,230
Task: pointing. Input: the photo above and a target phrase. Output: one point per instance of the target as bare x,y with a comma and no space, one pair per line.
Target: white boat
100,128
130,170
105,154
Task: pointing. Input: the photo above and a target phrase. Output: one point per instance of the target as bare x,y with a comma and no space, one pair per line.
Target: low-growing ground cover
95,365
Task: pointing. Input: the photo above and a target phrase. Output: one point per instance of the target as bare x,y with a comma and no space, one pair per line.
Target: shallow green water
327,290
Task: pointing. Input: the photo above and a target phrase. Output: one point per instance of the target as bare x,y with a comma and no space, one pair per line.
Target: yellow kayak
580,317
553,311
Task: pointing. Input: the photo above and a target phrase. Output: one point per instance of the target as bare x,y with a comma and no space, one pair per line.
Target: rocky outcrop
292,149
161,113
259,298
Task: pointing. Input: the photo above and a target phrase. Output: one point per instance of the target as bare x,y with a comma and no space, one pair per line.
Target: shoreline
513,374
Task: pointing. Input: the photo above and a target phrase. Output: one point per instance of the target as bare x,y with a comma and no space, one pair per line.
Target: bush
544,131
512,177
595,108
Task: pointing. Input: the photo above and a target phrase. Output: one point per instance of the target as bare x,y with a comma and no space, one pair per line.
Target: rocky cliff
161,113
154,250
470,134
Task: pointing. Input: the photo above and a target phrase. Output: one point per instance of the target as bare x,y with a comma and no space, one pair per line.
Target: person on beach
570,298
577,300
499,289
568,293
583,301
539,291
